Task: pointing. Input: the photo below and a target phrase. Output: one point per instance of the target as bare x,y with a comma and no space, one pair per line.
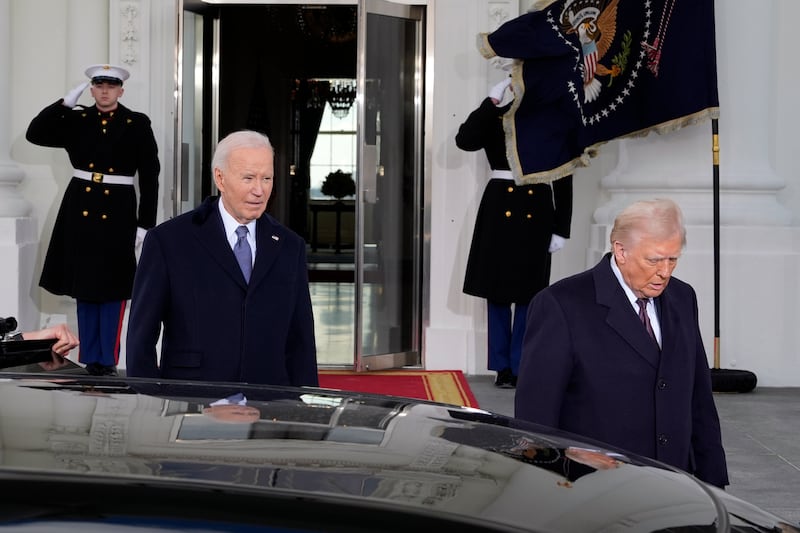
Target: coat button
508,214
91,165
530,191
104,217
104,122
662,384
511,189
106,192
662,440
86,213
110,170
529,216
88,189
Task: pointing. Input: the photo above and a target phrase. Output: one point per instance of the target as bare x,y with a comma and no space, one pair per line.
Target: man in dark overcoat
227,283
91,255
615,353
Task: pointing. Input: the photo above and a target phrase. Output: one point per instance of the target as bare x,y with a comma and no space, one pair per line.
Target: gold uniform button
508,214
530,191
106,192
91,165
86,213
88,189
104,217
529,216
511,189
110,170
104,122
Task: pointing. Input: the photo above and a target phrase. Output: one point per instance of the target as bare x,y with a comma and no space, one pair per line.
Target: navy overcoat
589,367
216,326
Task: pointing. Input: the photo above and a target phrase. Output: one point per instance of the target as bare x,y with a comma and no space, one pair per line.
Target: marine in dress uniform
91,255
516,229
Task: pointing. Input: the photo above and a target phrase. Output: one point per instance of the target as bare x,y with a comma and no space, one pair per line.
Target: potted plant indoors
338,184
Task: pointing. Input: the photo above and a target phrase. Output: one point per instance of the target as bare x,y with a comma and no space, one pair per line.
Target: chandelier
341,96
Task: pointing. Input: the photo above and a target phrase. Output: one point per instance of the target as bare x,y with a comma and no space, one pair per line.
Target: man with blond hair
615,353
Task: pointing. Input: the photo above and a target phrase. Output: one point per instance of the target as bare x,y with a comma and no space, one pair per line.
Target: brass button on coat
86,213
88,189
511,189
508,214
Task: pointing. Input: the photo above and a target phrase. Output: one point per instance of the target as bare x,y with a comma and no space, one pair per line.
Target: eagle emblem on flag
595,23
586,72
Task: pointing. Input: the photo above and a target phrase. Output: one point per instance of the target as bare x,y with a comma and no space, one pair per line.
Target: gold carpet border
440,385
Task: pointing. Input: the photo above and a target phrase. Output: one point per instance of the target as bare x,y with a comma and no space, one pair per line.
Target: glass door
238,64
388,196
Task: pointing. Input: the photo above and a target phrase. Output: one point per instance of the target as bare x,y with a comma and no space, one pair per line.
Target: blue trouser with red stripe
505,336
99,331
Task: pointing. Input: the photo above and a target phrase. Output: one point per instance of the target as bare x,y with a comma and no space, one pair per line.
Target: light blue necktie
243,253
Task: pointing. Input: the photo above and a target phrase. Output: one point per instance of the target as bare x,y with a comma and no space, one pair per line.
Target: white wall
759,201
759,167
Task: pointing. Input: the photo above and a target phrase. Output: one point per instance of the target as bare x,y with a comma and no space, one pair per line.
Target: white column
12,204
758,258
18,240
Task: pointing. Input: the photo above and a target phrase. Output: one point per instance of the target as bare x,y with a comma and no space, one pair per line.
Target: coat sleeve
562,200
51,127
301,350
707,450
472,134
148,303
148,168
546,363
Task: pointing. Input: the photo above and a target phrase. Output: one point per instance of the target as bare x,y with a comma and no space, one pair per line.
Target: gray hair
234,141
659,219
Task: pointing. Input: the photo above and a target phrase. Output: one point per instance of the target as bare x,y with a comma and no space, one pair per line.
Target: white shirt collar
231,224
655,323
628,292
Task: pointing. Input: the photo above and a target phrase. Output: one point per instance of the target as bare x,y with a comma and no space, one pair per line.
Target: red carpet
445,386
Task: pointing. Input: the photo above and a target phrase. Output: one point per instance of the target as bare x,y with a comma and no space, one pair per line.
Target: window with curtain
335,149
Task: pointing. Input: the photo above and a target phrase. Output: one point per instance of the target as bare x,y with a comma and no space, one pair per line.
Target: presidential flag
590,71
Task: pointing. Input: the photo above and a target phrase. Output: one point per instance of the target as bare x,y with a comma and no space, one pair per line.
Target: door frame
422,229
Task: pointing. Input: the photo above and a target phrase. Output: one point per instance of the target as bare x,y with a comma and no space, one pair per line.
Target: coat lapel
621,317
669,317
211,234
269,240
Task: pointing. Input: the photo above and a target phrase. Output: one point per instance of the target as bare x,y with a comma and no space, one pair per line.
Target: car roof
275,447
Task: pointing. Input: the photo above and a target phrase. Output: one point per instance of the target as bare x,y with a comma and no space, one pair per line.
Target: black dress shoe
109,370
96,369
93,369
504,379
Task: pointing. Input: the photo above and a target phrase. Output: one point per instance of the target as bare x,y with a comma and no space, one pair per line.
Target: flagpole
722,380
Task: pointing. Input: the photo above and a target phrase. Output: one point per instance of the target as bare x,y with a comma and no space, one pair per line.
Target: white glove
496,92
557,242
140,233
71,99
